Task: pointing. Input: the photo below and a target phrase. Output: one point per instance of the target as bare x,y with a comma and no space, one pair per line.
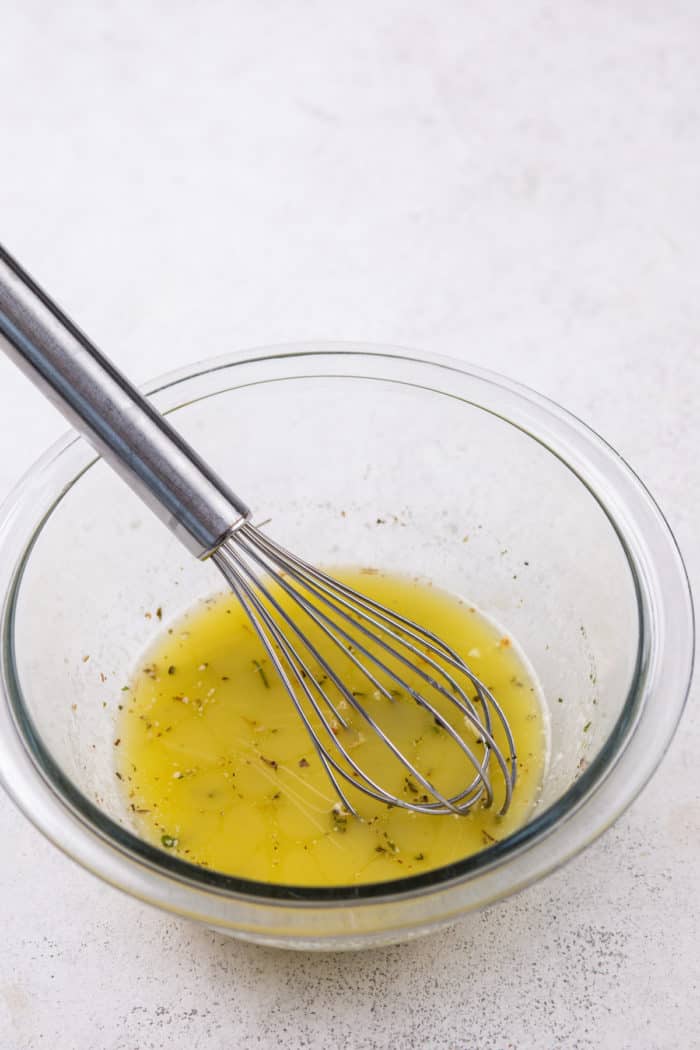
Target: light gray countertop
514,184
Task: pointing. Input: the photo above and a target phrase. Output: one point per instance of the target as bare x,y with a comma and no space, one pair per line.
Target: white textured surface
513,183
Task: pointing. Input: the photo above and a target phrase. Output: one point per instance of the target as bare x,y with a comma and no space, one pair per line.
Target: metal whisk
288,601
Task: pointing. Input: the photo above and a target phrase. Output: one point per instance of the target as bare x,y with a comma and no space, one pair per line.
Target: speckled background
515,184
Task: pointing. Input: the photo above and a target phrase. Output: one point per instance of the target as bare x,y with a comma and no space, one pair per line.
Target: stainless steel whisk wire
301,582
212,521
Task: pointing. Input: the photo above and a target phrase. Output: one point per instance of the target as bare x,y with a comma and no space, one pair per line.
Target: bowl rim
25,779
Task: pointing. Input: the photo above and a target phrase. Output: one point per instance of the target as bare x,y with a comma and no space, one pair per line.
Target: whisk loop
381,645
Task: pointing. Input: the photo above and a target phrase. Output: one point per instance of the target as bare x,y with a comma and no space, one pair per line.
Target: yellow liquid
219,769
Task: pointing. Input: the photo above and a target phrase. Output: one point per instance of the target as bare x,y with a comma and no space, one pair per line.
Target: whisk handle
127,431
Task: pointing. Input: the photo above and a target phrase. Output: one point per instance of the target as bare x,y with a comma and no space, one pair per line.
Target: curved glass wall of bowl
356,456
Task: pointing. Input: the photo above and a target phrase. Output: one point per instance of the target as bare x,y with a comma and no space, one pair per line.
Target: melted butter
219,768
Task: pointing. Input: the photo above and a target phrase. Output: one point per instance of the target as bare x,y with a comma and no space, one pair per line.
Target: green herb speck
261,671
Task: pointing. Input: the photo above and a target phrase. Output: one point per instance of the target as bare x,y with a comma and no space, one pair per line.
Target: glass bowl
358,455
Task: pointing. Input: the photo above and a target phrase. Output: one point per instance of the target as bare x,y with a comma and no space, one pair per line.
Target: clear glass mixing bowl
483,486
